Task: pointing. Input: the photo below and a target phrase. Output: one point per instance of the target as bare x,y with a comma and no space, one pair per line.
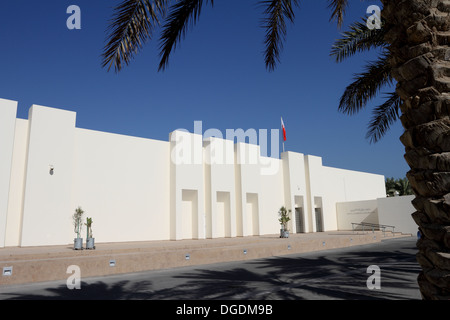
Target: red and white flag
284,129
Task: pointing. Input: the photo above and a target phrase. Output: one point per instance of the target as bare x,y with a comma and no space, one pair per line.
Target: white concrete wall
356,212
295,190
187,185
314,177
47,198
396,211
17,185
272,197
139,189
220,196
248,194
350,185
347,185
326,186
8,111
122,183
391,211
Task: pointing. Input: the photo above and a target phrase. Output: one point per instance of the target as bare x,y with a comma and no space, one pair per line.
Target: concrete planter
78,243
284,233
90,243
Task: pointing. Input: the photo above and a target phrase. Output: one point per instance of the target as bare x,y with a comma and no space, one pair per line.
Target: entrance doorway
299,220
223,220
318,214
299,217
189,215
319,220
252,214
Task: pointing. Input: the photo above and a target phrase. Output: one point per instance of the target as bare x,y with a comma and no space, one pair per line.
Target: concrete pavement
336,274
48,263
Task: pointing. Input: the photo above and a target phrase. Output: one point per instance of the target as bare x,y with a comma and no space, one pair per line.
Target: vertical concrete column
219,188
8,112
294,177
248,181
187,179
313,173
16,185
288,194
47,215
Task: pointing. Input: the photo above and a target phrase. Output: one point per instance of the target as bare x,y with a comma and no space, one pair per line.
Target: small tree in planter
89,237
78,222
284,219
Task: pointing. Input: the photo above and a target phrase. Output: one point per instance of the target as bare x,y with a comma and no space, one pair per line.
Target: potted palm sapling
78,222
284,219
90,240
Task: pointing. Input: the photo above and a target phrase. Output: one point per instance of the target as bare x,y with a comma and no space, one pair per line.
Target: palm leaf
276,11
359,38
134,21
181,14
384,116
131,26
366,85
338,10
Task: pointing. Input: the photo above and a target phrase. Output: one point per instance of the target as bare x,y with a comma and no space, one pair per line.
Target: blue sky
216,75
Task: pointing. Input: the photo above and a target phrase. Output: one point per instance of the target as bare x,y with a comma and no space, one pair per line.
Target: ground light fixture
7,271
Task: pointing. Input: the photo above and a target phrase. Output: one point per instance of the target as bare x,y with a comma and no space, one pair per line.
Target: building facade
137,189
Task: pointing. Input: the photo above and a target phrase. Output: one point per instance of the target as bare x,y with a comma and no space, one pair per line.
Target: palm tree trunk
419,38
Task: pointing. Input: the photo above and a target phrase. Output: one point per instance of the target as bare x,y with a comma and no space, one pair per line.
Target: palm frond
359,38
276,11
131,26
366,85
181,14
338,10
384,116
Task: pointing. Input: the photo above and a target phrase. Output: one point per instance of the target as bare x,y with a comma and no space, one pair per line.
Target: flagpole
283,131
281,135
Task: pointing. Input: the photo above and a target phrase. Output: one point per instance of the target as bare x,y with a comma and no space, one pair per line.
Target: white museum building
138,189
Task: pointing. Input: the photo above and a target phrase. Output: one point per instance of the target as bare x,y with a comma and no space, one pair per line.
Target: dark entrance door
319,220
299,220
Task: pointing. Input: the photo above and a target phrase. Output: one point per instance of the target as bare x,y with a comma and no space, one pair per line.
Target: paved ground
338,274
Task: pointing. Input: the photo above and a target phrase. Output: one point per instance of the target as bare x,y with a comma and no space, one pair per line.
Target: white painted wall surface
219,178
314,177
17,184
272,197
248,177
186,175
294,176
356,212
122,183
47,198
390,211
138,189
396,211
342,185
8,111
